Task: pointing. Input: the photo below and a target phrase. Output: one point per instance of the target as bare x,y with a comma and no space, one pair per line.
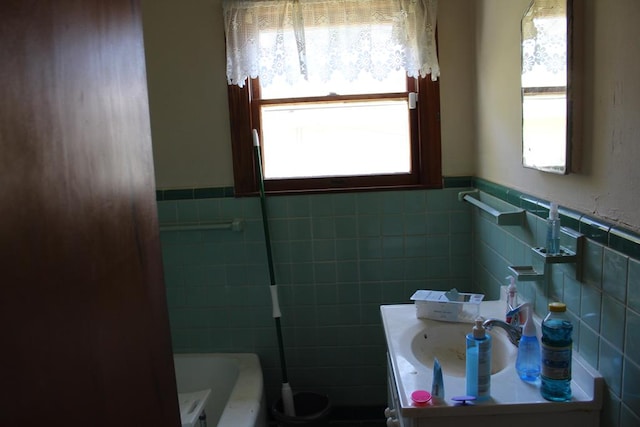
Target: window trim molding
428,160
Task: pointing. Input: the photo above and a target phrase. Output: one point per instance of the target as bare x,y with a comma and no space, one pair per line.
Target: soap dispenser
478,363
528,360
512,302
553,230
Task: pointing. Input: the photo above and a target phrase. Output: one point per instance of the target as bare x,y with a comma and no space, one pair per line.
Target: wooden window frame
244,110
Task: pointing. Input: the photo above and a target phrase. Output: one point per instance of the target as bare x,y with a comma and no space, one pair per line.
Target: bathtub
237,396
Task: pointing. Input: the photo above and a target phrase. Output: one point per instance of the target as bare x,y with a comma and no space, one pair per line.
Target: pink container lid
421,397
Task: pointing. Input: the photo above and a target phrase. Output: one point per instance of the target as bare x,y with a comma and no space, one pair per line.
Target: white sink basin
447,342
413,343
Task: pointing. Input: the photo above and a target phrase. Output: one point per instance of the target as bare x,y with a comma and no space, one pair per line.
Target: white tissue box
436,305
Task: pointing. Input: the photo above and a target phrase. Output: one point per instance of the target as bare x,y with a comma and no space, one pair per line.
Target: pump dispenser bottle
528,360
553,230
478,374
512,301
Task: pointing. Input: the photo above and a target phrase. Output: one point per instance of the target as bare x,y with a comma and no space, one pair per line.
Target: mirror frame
573,131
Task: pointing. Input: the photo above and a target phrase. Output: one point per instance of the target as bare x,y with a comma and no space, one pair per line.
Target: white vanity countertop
509,394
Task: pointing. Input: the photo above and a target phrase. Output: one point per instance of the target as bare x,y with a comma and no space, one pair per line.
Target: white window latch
413,100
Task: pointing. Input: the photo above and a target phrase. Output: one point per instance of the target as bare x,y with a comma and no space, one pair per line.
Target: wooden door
84,326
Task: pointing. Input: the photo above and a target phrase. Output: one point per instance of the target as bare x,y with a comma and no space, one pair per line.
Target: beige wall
457,86
184,45
608,186
480,101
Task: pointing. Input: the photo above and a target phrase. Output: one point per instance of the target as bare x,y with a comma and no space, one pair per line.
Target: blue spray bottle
528,360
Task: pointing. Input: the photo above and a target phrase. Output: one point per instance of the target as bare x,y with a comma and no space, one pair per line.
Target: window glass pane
336,139
365,84
544,121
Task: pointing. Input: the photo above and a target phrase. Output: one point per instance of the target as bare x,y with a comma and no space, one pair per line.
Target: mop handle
263,205
287,395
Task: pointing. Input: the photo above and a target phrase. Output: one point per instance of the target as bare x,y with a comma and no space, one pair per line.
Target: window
423,147
338,127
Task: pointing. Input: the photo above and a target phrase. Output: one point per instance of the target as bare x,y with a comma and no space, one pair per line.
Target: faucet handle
514,315
513,318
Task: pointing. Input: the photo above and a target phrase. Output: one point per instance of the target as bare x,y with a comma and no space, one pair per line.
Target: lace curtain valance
312,39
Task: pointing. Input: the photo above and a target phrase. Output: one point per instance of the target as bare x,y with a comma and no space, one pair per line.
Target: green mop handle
287,396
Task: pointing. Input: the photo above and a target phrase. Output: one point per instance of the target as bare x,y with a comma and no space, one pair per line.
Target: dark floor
339,423
343,417
365,423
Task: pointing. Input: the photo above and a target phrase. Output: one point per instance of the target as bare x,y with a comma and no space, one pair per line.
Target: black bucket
312,410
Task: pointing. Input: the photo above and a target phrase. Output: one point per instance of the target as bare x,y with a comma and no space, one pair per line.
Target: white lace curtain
313,39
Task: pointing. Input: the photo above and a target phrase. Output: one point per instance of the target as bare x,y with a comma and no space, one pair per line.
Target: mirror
549,86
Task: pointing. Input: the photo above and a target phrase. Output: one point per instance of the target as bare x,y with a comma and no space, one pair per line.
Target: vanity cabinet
391,413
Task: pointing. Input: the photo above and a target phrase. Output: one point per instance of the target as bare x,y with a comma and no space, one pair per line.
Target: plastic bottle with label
556,354
478,363
512,302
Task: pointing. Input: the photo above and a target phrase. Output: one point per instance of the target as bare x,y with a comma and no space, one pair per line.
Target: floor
365,423
346,417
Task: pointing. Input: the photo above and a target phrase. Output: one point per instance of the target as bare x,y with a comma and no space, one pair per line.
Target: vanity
413,343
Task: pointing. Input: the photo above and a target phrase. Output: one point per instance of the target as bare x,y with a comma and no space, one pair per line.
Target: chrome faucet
513,332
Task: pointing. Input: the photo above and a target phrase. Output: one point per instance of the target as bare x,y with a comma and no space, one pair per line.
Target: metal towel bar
233,225
502,212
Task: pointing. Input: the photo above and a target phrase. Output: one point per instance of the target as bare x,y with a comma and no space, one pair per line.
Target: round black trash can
312,410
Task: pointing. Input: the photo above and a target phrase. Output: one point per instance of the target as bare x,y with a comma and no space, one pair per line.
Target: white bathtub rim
245,406
247,394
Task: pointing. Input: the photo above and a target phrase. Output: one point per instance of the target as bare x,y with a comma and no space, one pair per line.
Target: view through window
336,129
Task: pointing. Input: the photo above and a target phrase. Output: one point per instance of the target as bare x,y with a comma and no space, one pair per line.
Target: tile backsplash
603,305
339,257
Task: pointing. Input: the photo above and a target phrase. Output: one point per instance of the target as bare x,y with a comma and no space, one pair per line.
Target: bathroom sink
447,342
412,345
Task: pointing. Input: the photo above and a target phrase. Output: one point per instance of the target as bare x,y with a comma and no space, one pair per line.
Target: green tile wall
604,304
337,259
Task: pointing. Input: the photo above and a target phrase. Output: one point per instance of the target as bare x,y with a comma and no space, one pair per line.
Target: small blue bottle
556,354
528,360
478,363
